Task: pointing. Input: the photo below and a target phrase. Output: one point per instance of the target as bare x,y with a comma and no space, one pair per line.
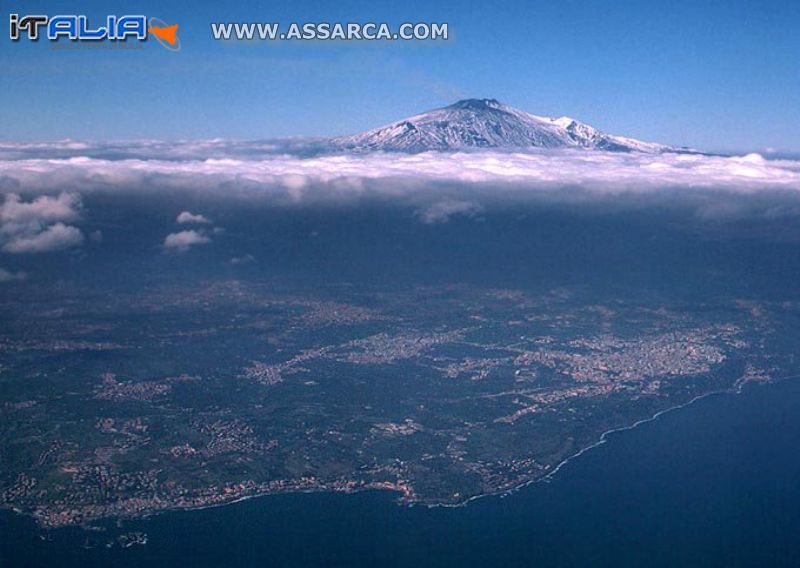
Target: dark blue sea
716,483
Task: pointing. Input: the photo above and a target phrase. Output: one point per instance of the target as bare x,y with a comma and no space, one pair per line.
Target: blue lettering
85,33
135,26
62,25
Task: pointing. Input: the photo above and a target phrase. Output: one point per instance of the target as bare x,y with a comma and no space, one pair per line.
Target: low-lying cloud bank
294,177
50,194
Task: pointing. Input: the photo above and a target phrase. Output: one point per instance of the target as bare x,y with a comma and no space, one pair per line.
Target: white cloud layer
294,177
41,183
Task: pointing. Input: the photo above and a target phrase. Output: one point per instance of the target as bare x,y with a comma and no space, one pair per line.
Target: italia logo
78,28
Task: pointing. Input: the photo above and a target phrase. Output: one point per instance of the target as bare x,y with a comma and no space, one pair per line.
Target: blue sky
715,75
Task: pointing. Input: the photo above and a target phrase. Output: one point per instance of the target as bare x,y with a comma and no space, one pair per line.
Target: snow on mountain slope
487,123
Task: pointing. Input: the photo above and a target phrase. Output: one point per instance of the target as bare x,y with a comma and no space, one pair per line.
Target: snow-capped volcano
487,123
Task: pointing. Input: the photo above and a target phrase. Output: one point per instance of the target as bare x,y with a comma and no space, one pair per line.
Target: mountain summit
488,123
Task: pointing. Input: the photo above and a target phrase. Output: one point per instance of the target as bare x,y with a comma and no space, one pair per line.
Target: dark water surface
716,483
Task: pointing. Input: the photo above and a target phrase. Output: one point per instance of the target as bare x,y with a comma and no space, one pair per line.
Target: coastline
734,389
602,440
